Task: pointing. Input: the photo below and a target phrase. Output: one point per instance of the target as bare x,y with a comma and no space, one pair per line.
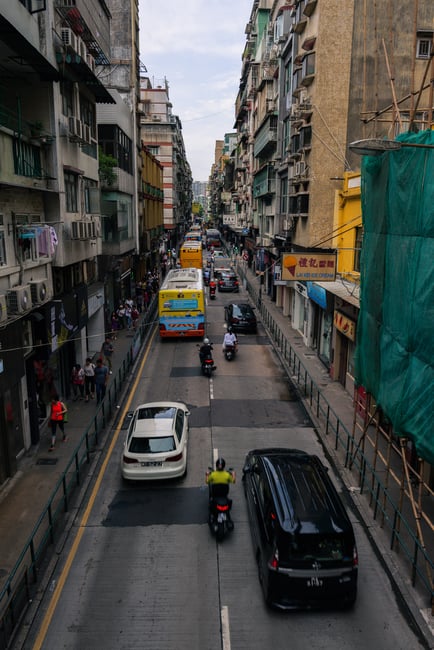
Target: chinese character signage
309,267
345,325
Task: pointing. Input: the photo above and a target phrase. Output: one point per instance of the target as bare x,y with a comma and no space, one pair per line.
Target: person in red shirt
58,410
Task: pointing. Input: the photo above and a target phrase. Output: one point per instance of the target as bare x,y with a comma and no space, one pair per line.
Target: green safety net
395,332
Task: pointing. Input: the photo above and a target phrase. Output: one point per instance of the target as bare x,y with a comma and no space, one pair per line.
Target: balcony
266,139
264,183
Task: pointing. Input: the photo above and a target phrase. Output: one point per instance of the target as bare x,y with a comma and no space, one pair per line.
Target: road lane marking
226,637
85,518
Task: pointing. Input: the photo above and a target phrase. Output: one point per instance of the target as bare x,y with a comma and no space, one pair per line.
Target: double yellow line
85,518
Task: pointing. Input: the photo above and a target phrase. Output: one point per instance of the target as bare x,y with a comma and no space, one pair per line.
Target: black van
302,536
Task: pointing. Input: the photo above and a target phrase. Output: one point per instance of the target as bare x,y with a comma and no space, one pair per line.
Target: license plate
315,582
152,463
221,517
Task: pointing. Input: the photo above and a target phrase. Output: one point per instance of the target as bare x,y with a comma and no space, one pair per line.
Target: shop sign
345,325
301,289
309,267
317,294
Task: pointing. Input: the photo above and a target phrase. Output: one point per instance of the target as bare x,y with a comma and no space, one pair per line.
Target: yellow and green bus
181,304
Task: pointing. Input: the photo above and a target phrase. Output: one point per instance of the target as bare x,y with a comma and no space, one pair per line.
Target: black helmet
220,464
230,330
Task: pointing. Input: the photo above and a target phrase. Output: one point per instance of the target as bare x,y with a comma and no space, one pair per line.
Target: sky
197,46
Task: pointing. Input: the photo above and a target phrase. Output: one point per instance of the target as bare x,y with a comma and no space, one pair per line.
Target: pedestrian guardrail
19,588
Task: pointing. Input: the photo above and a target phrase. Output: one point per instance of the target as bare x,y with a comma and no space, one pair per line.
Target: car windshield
141,445
156,413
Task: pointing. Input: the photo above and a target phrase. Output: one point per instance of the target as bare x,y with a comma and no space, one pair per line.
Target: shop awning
343,289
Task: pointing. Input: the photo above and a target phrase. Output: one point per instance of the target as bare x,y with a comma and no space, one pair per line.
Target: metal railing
377,465
29,568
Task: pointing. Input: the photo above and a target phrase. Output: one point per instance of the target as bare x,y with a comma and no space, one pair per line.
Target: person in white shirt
229,339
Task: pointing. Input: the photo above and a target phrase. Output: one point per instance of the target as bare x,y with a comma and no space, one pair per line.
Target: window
2,243
358,247
153,150
424,45
67,92
284,195
179,425
114,142
27,159
87,115
33,238
71,189
308,65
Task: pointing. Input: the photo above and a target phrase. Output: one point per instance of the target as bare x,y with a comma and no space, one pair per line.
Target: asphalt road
141,569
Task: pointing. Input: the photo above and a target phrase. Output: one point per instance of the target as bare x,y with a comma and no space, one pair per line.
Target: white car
156,443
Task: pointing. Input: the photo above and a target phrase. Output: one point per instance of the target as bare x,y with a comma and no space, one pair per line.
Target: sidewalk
24,497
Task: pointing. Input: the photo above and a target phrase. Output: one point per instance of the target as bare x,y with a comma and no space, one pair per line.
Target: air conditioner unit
40,291
300,168
78,230
19,299
3,309
156,118
91,230
69,38
90,62
82,49
75,128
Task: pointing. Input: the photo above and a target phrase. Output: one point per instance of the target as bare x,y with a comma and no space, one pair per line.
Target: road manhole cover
46,461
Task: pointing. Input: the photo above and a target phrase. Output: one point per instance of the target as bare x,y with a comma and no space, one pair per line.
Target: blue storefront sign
317,294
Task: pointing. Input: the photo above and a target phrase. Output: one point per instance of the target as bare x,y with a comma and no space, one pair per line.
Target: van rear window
317,547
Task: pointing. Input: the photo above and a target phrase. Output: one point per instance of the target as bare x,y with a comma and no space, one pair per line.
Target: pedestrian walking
114,322
128,317
101,380
107,350
77,381
135,316
121,316
57,417
89,379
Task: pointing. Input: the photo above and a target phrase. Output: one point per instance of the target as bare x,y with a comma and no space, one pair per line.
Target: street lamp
376,146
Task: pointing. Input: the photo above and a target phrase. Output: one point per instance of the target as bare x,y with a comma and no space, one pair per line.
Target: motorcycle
219,509
207,363
230,350
212,289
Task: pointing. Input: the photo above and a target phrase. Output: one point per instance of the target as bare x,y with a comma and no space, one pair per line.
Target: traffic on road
140,567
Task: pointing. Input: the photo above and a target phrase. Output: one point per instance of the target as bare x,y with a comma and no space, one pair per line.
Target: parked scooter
219,507
206,359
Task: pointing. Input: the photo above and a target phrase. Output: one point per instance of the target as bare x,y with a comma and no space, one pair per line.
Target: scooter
212,289
230,351
219,509
207,363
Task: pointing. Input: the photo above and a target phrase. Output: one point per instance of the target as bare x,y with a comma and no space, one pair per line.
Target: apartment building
315,77
161,134
49,205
